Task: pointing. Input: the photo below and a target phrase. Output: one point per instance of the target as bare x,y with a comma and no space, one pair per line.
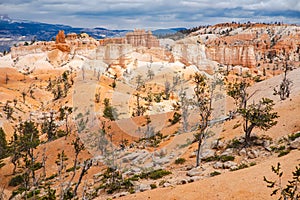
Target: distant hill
14,31
162,32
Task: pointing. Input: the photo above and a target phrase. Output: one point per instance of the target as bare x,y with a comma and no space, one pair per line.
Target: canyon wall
137,38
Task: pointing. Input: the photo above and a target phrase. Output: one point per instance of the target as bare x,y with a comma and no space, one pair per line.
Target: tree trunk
248,132
198,150
87,165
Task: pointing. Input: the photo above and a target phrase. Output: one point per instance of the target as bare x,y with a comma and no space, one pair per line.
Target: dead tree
85,168
139,110
184,104
78,147
284,89
6,79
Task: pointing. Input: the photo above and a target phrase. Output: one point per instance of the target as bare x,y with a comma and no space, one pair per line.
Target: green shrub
214,173
16,180
222,158
294,136
1,164
37,166
283,152
236,126
225,158
20,190
51,177
61,133
176,118
157,174
161,183
33,193
179,161
211,158
153,186
243,166
234,143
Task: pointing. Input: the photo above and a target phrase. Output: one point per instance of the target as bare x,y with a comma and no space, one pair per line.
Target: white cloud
151,13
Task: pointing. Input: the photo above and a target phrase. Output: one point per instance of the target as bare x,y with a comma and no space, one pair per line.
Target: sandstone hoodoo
137,38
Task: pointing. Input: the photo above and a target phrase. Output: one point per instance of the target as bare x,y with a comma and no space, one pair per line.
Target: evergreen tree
258,115
3,144
109,112
29,140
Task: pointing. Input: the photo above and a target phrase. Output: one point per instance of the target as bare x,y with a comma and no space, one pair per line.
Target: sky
151,14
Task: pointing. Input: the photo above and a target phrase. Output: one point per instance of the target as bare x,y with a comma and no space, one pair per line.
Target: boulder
162,161
144,187
217,144
207,153
252,154
161,152
243,152
227,152
193,172
218,165
167,184
130,157
295,144
229,164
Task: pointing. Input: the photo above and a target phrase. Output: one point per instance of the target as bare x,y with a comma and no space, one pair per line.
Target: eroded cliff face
253,45
114,54
247,45
137,38
58,50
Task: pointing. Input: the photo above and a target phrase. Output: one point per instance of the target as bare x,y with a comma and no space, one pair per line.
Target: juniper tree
258,115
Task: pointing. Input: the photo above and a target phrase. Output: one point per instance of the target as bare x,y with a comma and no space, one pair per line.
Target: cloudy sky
151,14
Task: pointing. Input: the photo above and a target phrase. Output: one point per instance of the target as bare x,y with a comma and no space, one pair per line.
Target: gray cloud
151,13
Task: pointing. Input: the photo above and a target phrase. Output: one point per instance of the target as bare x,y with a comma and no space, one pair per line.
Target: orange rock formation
135,38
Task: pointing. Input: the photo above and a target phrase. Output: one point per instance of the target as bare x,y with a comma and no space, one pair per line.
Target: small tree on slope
204,104
258,115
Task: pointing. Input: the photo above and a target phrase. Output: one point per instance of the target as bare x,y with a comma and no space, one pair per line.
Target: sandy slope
243,184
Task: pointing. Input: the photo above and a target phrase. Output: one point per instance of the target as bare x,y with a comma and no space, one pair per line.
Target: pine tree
29,140
109,112
3,144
